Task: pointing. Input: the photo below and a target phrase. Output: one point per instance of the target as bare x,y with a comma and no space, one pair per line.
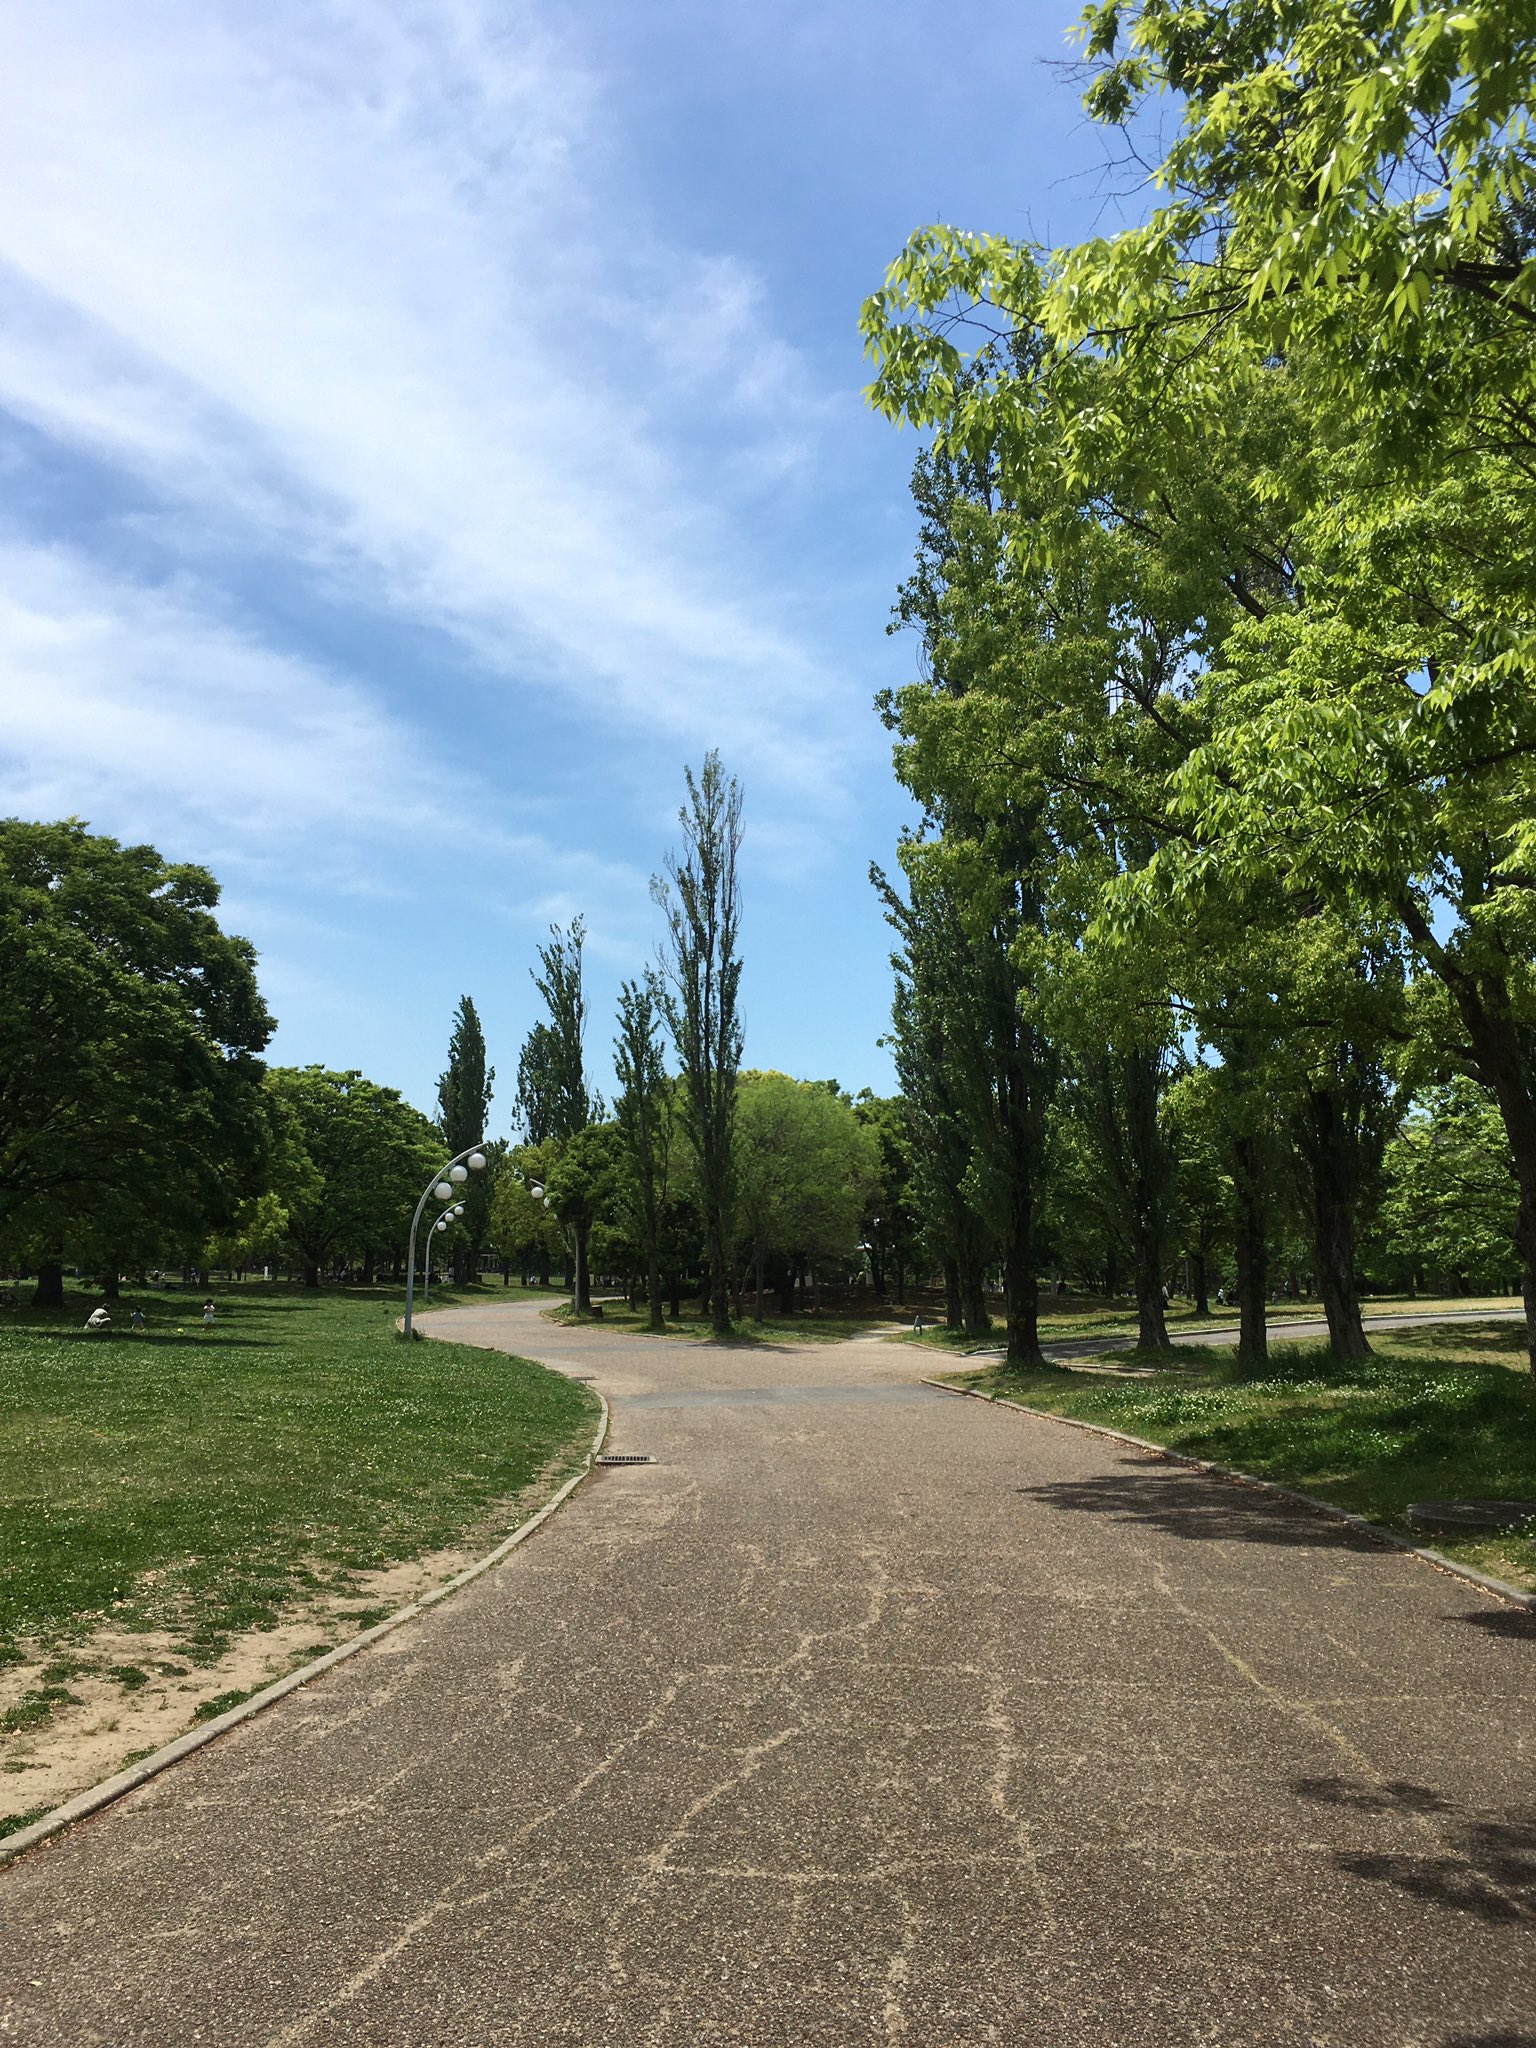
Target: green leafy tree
552,1095
926,1042
1310,376
463,1117
586,1188
700,898
890,1220
359,1157
1203,1183
644,1118
521,1229
1452,1198
130,1025
805,1164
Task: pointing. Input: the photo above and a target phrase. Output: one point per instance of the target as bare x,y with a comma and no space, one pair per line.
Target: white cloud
361,283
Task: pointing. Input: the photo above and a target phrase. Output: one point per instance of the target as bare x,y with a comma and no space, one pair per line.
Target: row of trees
753,1181
1224,742
139,1127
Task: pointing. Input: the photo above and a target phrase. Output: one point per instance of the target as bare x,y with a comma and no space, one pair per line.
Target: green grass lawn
1441,1411
202,1482
829,1328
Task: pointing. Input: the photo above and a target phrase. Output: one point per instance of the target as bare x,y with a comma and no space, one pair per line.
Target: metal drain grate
626,1458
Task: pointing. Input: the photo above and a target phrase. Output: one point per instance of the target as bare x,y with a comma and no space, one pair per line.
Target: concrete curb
1473,1577
98,1796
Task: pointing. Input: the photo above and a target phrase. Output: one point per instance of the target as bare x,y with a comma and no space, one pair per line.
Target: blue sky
425,427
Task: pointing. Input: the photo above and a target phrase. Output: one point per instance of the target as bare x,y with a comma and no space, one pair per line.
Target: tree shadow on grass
1487,1866
1201,1508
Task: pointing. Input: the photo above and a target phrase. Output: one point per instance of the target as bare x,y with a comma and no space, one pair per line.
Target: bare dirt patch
72,1714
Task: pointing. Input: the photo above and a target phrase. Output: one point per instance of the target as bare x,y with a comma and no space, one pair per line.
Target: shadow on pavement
1489,1870
1200,1507
1504,2040
1503,1621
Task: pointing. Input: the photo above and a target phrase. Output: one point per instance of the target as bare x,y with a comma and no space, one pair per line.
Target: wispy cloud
362,285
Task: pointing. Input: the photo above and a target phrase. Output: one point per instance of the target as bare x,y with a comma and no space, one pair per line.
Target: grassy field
199,1482
1441,1411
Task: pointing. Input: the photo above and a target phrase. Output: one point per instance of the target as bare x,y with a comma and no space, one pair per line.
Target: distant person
1221,1297
208,1313
99,1322
136,1320
917,1323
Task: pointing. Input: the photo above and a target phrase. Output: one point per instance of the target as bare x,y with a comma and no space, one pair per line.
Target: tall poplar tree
642,1113
463,1113
553,1100
701,899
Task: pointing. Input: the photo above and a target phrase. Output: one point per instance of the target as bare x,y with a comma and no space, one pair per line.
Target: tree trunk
1326,1145
974,1319
582,1285
541,1266
954,1318
111,1286
1111,1273
1504,1068
312,1276
1022,1291
1151,1322
901,1281
370,1268
1202,1284
1251,1245
758,1263
785,1286
49,1291
719,1274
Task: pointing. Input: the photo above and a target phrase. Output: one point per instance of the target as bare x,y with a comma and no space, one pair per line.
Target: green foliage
645,1116
1452,1196
552,1096
1227,564
463,1117
354,1159
519,1223
700,898
805,1165
131,1109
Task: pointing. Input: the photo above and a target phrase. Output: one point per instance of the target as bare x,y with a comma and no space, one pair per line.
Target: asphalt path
865,1714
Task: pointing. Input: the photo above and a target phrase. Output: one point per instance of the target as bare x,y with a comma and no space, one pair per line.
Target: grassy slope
200,1481
1440,1411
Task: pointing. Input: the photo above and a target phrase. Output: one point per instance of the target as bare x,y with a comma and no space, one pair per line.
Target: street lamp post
444,1184
448,1217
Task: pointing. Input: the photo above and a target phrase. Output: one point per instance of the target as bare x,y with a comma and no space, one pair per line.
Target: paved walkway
865,1715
